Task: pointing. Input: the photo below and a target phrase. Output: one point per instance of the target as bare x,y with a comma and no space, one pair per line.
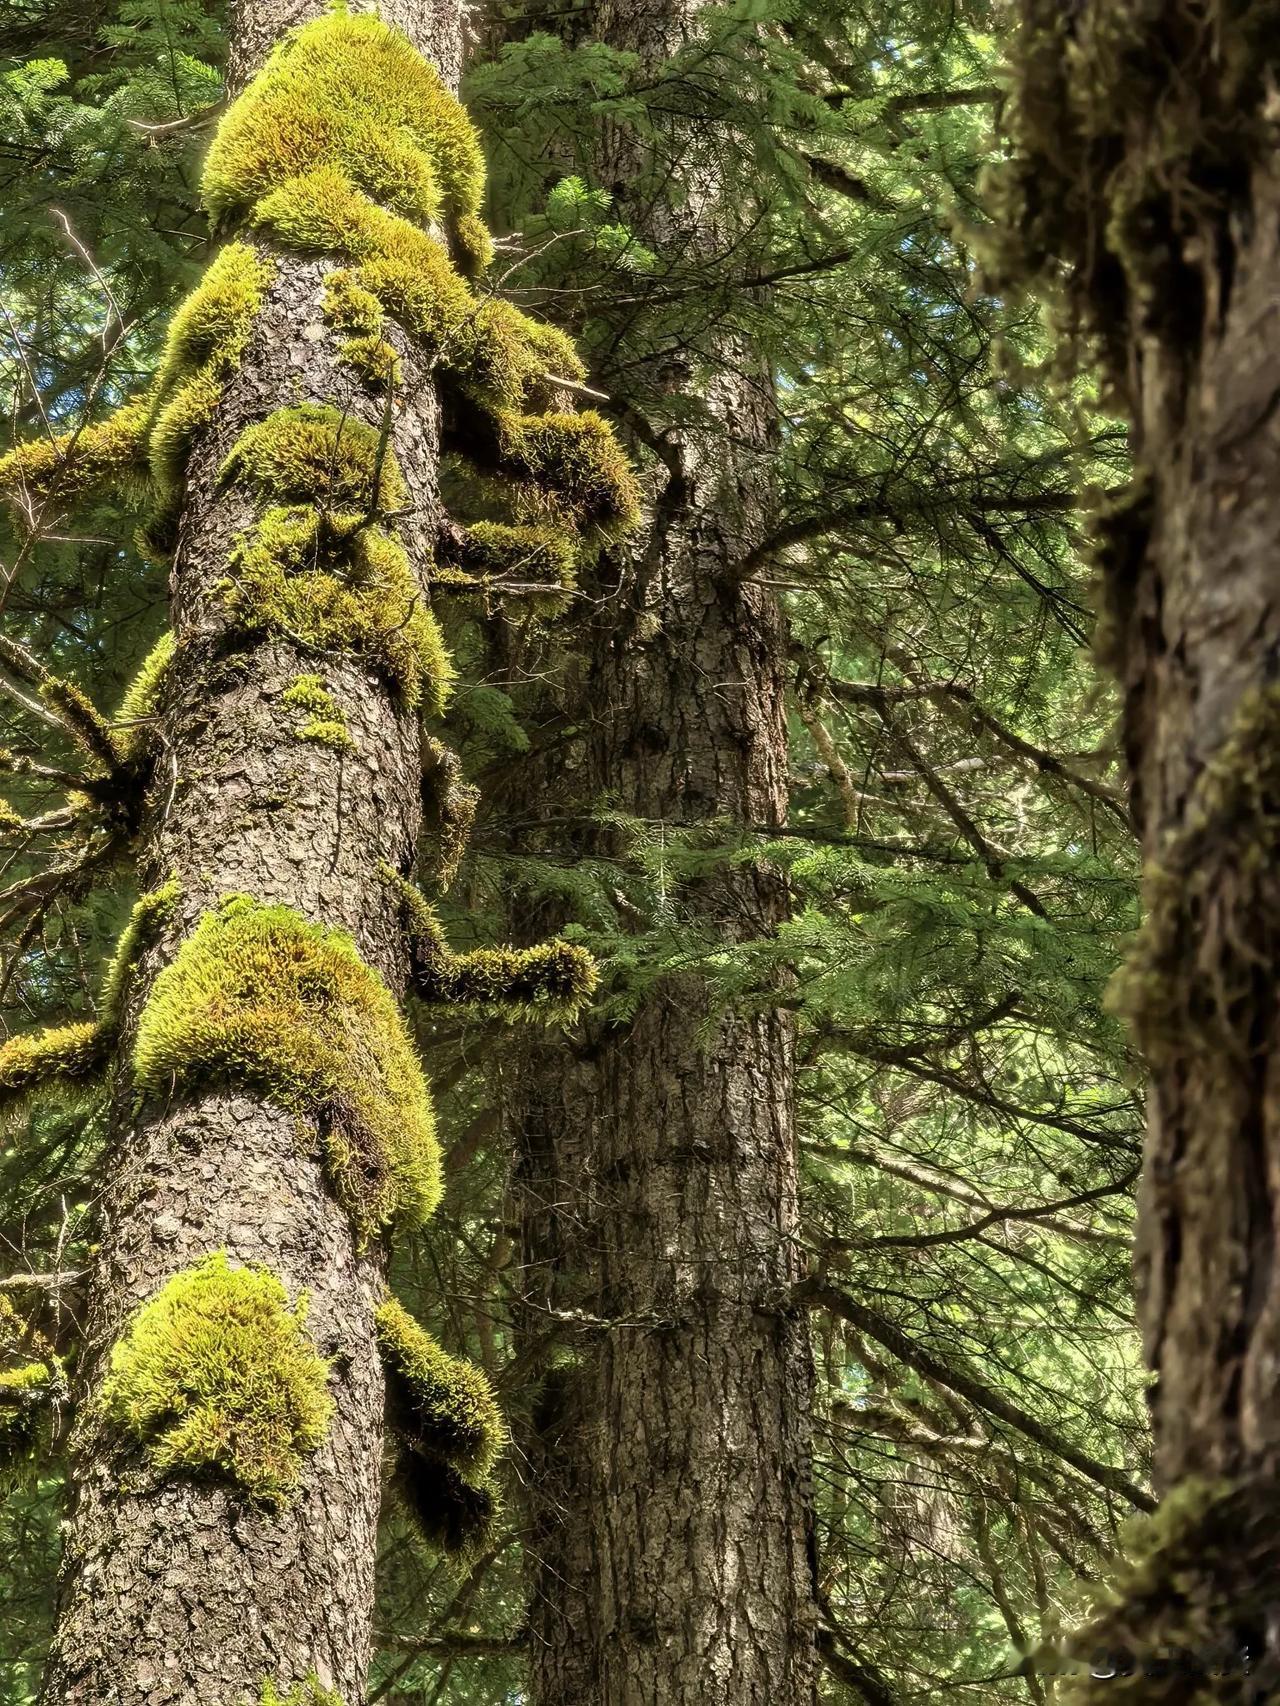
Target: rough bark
671,1547
176,1590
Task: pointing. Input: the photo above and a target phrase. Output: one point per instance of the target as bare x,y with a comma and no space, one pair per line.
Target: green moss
453,1431
216,1374
352,309
1194,982
133,729
334,584
313,454
571,465
1190,1592
532,556
350,94
104,455
549,982
257,996
205,346
325,723
308,1693
449,811
81,719
70,1054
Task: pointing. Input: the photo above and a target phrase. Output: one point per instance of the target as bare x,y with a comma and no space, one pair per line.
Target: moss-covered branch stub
549,982
1183,1618
67,1055
452,1431
258,997
216,1375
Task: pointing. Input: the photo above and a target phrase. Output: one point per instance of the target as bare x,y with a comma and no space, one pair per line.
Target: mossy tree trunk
1144,186
671,1548
177,1589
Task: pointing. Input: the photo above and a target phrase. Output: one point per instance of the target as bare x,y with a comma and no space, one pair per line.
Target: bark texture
671,1554
175,1590
1146,162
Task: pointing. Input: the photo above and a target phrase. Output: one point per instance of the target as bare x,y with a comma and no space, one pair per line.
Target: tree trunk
671,1558
178,1589
1146,161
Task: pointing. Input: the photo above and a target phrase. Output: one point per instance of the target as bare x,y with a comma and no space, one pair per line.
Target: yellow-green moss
204,348
69,1054
570,464
325,723
334,584
309,1693
109,454
314,454
216,1374
453,1431
81,719
132,730
549,982
355,311
533,556
352,94
257,996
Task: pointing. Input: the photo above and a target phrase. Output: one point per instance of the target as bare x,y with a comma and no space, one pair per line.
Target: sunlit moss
325,724
332,583
355,311
132,729
533,556
216,1374
314,454
203,350
259,997
570,464
309,1693
350,93
453,1430
549,982
108,455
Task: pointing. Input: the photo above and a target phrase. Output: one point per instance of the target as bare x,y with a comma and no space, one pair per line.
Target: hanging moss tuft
216,1374
257,996
445,1411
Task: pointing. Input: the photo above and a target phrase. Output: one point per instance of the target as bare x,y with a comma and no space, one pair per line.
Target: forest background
959,868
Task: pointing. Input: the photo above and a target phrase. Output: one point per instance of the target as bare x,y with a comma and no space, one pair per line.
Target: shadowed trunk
671,1553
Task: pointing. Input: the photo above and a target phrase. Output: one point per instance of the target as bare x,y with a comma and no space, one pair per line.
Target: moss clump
571,465
1187,1606
533,557
446,1414
216,1374
308,1693
313,454
257,996
204,349
332,583
449,809
325,723
1195,980
132,730
104,455
352,309
549,982
353,95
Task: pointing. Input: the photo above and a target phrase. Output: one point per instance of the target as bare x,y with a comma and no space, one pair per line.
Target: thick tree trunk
1146,161
174,1589
671,1554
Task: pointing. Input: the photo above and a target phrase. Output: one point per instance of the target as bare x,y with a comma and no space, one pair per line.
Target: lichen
448,1417
259,997
1183,1615
549,982
216,1374
325,724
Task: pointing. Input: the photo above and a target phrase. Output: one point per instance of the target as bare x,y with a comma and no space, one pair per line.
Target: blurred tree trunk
671,1554
181,1590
